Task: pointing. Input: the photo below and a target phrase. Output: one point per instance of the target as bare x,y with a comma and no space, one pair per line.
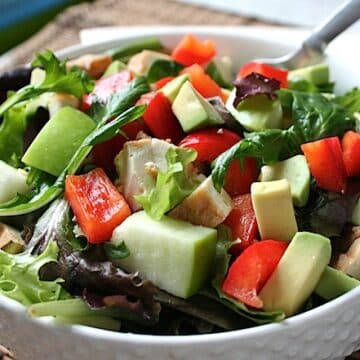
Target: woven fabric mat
64,31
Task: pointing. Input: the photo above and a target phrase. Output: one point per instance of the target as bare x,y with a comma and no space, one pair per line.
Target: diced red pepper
238,180
97,205
242,222
161,120
162,82
326,163
210,143
251,269
268,71
351,153
191,50
202,82
103,154
106,86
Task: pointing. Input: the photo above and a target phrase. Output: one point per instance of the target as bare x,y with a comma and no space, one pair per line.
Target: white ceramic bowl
328,332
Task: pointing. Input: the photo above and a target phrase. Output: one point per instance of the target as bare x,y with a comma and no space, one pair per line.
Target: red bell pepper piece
210,143
103,154
160,118
107,86
97,205
268,71
202,82
326,163
242,222
351,153
162,82
191,50
251,269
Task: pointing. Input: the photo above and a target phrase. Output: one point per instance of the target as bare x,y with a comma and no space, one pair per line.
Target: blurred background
29,25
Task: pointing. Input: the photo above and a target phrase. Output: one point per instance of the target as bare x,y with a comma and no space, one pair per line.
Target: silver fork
311,50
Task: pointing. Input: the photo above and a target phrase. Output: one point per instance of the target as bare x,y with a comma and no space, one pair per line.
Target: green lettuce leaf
350,101
161,68
172,186
12,131
19,277
57,79
314,117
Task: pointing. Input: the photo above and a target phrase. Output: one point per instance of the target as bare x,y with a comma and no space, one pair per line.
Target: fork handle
340,20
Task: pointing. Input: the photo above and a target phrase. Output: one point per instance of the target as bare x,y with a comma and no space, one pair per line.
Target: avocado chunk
257,112
296,171
12,181
297,273
172,88
115,67
220,70
175,255
58,140
316,74
334,283
274,209
193,111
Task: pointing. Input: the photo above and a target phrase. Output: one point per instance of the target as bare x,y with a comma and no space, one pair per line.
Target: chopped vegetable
351,153
326,163
96,203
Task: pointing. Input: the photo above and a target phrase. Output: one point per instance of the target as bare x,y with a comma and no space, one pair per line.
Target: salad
152,191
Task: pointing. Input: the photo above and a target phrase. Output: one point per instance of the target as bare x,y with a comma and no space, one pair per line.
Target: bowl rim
174,340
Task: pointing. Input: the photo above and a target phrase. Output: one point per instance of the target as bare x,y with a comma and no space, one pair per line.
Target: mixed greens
149,191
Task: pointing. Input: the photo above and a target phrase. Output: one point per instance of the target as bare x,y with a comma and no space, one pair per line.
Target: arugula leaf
161,68
57,79
124,52
350,101
42,196
100,112
113,128
12,132
172,186
314,117
19,277
115,252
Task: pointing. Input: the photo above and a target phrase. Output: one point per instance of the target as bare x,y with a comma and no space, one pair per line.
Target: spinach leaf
46,193
57,79
314,117
172,186
12,132
124,52
307,86
161,68
350,101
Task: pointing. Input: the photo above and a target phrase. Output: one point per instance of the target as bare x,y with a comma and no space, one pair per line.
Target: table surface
64,31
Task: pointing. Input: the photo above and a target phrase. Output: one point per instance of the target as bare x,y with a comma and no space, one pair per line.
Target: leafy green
124,52
116,104
161,68
314,117
116,252
172,186
109,130
19,277
300,84
350,101
12,131
213,71
222,260
57,79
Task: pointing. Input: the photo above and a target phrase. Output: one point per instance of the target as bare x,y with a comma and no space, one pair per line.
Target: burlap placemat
64,30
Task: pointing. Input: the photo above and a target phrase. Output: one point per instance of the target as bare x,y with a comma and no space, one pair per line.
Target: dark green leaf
115,252
161,68
350,101
124,52
306,86
109,130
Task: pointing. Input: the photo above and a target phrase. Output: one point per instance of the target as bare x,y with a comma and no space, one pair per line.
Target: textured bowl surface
328,332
